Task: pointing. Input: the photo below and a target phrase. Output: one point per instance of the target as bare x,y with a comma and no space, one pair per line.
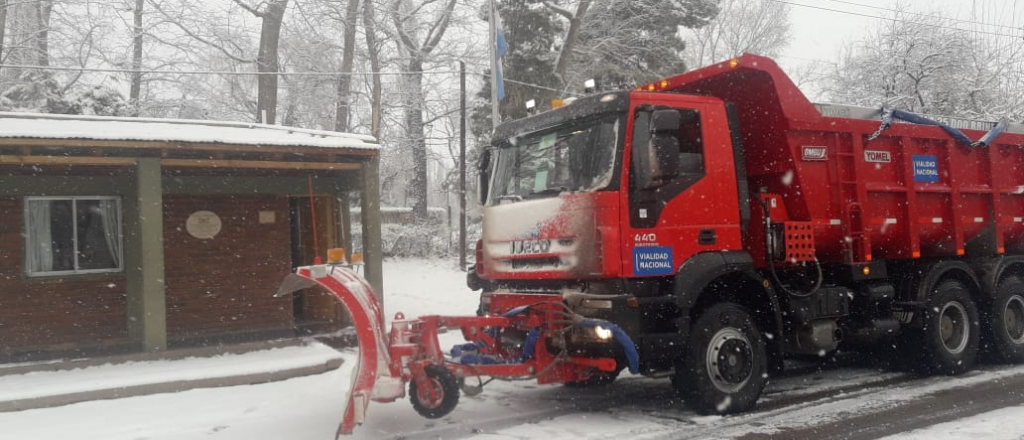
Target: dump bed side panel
913,192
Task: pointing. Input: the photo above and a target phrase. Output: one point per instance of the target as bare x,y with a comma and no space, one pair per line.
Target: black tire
725,366
949,340
597,379
1004,323
446,384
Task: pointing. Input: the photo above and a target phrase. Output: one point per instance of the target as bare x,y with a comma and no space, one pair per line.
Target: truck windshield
572,157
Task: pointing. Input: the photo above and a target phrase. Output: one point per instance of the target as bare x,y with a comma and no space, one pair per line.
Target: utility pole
495,116
462,165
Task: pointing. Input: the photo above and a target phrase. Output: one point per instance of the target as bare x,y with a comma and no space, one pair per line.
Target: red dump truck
726,224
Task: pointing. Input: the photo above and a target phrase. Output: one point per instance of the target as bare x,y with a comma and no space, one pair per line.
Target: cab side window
691,144
646,204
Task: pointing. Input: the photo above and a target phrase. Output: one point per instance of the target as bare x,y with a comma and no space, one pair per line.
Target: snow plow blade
411,354
370,375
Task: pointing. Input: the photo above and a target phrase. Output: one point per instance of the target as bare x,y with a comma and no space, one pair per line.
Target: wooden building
121,235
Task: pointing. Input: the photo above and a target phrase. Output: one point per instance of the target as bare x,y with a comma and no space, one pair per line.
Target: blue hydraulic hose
992,134
986,140
918,119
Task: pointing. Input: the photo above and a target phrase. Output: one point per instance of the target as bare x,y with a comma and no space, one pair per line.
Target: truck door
682,196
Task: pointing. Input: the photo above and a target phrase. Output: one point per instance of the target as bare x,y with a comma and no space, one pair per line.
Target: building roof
50,126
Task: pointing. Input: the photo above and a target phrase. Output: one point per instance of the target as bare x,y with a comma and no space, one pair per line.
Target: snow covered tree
626,43
754,26
419,33
531,30
925,63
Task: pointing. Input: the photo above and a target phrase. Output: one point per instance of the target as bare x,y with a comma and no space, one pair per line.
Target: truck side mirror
656,156
483,177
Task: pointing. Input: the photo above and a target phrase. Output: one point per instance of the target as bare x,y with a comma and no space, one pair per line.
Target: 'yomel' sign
877,156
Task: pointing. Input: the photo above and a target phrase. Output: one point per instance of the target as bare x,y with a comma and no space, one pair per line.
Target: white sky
820,29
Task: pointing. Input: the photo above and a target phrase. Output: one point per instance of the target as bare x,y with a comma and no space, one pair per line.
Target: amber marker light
336,256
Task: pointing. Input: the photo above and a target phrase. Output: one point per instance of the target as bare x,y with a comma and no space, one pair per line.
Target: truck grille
535,263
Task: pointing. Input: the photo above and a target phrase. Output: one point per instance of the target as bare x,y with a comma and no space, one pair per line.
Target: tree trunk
45,7
370,29
414,120
267,61
3,27
136,87
343,102
575,23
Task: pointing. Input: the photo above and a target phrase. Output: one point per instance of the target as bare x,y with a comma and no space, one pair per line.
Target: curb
168,387
161,387
174,354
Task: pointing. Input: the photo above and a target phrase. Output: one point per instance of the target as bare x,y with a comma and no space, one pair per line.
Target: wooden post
144,256
371,222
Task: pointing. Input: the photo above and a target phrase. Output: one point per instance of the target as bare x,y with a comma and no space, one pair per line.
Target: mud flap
371,376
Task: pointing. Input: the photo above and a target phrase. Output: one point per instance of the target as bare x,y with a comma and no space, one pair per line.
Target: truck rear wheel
725,366
950,335
1005,321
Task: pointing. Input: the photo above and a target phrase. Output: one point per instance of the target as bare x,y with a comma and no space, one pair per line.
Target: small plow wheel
439,395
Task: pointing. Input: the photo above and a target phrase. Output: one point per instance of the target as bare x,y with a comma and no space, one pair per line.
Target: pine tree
627,43
530,30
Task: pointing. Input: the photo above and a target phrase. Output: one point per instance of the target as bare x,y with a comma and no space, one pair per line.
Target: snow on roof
49,126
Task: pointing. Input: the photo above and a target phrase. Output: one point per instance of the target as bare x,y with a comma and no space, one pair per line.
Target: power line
306,74
891,19
217,72
958,20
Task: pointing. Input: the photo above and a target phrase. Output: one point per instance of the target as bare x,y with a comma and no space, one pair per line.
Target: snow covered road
855,402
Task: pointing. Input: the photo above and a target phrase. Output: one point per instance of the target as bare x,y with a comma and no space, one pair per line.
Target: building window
73,235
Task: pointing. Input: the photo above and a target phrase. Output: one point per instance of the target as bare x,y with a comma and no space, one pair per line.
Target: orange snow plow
527,342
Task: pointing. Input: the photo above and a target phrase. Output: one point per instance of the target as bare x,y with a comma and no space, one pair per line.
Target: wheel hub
953,327
729,360
1013,319
432,396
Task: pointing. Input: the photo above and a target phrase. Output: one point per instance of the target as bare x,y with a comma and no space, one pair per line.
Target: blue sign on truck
926,168
655,260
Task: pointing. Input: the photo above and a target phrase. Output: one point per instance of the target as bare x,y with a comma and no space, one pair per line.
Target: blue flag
501,47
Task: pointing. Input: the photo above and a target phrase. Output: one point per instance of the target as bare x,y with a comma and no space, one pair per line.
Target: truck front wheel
725,366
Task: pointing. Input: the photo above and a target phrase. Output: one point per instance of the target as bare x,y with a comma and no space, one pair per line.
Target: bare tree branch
438,29
200,38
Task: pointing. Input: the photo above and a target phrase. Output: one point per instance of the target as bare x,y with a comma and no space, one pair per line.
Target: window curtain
111,228
40,243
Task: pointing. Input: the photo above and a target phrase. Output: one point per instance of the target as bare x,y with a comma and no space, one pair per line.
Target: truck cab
603,199
618,185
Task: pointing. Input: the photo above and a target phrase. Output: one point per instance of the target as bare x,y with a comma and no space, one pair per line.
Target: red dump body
913,192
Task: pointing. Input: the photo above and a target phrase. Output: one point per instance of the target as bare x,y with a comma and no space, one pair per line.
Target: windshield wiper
547,192
512,197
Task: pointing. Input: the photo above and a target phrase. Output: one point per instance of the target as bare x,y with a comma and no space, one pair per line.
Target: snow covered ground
311,407
52,383
1004,424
